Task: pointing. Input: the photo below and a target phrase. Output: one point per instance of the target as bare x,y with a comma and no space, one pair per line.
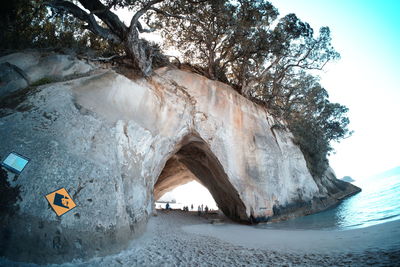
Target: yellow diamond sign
60,201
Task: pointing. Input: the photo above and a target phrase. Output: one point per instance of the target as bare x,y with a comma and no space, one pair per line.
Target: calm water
378,202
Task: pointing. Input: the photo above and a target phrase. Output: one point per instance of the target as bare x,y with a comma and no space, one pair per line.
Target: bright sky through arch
192,193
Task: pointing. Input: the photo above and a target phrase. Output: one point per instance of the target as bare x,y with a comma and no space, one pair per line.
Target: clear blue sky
366,79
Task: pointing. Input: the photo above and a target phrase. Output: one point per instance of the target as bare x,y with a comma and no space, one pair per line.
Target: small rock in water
348,179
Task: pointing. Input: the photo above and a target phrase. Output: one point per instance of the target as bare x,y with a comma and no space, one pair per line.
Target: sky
185,194
366,79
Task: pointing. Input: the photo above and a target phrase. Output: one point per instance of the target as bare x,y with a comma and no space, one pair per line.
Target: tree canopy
28,24
244,43
268,58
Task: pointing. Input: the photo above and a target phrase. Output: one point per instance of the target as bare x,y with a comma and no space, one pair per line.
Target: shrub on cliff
314,121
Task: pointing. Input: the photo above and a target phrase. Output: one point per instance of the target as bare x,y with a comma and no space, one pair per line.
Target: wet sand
374,238
177,238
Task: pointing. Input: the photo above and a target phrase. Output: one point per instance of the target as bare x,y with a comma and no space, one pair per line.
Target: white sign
15,162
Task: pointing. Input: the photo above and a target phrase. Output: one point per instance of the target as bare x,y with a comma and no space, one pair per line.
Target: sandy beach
183,239
177,238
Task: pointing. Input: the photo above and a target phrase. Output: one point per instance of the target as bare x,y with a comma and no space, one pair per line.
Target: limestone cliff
117,144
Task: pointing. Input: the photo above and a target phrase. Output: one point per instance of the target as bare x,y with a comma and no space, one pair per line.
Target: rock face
117,145
19,70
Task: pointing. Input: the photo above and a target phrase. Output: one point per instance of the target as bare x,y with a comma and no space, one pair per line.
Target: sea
378,202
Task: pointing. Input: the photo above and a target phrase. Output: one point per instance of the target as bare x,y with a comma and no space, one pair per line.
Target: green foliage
29,24
226,38
265,58
314,121
243,42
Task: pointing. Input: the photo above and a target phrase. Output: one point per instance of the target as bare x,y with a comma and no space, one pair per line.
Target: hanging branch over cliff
139,50
92,25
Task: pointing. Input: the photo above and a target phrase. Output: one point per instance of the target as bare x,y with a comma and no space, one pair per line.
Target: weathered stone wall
106,139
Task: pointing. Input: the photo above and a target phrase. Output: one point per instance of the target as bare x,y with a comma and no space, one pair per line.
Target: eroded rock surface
107,139
19,70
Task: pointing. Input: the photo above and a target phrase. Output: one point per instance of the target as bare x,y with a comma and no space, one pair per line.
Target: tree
22,25
114,30
28,24
268,60
237,42
225,38
294,50
314,121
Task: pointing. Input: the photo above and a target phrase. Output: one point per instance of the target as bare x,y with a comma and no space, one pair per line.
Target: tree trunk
139,51
211,64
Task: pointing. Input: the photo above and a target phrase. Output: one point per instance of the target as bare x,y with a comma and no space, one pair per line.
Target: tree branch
167,14
141,12
103,58
69,7
109,18
141,29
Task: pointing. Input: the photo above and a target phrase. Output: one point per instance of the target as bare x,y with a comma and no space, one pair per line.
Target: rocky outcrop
19,70
117,144
348,179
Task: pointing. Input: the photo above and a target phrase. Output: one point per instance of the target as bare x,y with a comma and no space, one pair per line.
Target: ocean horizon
378,202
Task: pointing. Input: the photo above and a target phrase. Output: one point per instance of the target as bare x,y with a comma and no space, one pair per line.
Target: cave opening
195,161
192,195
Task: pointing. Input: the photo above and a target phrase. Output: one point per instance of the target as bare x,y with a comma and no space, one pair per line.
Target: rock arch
107,139
195,161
